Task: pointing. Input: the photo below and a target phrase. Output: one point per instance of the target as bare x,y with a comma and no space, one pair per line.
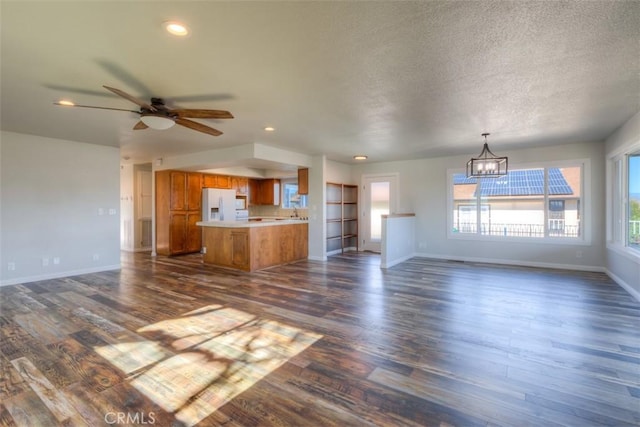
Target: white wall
423,190
317,204
339,173
622,266
51,192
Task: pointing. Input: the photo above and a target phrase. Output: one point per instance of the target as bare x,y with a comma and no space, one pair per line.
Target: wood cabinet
240,249
342,217
178,208
303,181
255,248
216,181
240,184
267,192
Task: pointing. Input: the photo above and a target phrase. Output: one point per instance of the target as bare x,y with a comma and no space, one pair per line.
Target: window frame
283,199
583,206
618,203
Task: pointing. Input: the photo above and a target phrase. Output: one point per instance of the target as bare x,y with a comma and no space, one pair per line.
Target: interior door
379,198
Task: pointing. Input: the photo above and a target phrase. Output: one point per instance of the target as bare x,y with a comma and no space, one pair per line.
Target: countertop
264,222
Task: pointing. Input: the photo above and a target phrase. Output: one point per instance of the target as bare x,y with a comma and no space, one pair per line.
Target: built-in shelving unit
342,217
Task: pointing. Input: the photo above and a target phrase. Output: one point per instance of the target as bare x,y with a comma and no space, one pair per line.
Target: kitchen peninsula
254,245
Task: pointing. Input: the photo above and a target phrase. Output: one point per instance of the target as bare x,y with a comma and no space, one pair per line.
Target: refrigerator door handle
221,205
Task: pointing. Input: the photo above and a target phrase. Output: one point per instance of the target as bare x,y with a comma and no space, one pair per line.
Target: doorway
379,198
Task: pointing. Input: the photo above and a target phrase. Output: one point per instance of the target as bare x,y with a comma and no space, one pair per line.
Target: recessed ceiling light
269,129
66,102
176,28
360,157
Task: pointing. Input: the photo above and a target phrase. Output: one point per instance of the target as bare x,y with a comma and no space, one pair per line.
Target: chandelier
487,164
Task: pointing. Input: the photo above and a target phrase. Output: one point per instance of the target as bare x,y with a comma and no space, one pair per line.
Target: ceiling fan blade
133,99
196,113
198,126
140,125
92,106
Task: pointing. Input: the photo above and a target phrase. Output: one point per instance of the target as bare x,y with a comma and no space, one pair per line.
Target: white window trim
619,184
585,206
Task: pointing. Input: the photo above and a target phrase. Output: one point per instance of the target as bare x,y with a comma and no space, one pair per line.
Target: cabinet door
178,189
240,184
194,191
240,249
254,190
303,181
178,233
223,181
265,192
209,181
268,192
193,233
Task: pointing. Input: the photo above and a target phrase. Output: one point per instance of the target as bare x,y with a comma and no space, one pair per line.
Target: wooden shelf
342,205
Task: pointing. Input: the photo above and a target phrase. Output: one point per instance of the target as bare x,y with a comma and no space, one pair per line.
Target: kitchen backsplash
275,211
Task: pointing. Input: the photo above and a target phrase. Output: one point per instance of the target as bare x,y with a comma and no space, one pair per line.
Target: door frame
394,186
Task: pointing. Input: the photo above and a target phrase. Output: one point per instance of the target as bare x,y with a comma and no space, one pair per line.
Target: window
290,197
536,203
633,196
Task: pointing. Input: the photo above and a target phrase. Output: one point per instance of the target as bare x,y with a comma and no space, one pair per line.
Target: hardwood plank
11,383
26,409
54,399
336,343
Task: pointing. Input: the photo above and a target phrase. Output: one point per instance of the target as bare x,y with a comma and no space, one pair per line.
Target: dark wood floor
169,341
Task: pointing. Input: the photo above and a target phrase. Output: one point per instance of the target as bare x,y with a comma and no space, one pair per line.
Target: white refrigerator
218,204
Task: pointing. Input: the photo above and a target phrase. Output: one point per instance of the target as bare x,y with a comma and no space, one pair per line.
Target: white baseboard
624,285
594,268
58,275
136,249
317,258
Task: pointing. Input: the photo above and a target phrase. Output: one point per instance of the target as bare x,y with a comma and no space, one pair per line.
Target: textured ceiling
393,80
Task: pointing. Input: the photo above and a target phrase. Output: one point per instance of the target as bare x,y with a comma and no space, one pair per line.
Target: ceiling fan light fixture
158,122
176,28
66,103
269,129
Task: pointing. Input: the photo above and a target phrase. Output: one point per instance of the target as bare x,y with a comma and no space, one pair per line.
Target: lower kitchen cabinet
184,235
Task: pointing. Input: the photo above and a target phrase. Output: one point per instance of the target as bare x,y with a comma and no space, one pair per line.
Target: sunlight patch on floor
218,353
132,356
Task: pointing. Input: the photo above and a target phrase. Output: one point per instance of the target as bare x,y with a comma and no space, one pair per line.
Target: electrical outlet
56,260
96,257
45,262
204,249
11,266
578,254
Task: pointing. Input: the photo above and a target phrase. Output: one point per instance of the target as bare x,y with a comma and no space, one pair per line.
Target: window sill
575,241
625,251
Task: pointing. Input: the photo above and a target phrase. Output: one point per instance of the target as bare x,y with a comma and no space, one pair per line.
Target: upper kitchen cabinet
303,181
240,184
264,191
254,188
185,190
216,181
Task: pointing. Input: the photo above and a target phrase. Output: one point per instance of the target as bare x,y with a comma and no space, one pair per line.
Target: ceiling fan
157,115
